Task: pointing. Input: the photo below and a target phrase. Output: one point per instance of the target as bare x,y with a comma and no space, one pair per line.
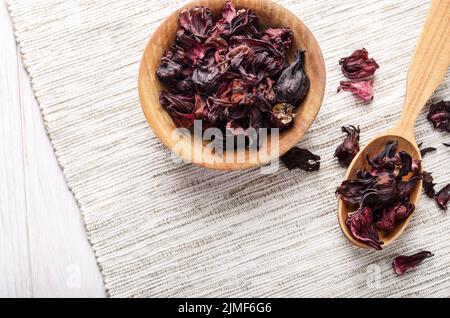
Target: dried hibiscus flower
293,84
346,151
232,74
442,197
439,115
358,65
428,185
362,90
402,264
298,158
380,195
424,151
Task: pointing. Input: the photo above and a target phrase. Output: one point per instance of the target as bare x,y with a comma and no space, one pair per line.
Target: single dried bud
358,65
346,151
442,197
293,84
362,90
401,264
282,115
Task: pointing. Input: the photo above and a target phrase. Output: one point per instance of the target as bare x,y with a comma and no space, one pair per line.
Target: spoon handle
429,65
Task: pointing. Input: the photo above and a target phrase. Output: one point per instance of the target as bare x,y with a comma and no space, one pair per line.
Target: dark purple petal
180,108
439,115
293,84
298,158
360,224
193,49
280,38
402,264
442,197
426,150
362,90
428,185
348,149
358,65
197,21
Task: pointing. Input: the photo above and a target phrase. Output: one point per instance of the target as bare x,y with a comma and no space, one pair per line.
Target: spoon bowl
360,162
426,72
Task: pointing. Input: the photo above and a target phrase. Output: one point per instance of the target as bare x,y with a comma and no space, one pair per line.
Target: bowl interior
192,150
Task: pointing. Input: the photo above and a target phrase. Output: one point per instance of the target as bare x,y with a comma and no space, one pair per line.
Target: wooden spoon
427,70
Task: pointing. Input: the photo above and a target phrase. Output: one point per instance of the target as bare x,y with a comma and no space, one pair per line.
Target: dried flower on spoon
402,264
380,195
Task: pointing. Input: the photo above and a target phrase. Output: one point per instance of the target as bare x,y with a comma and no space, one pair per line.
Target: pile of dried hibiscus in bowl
231,74
380,194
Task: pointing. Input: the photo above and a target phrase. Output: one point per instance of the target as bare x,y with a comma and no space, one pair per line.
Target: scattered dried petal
401,264
346,151
442,197
358,65
428,185
298,158
439,115
362,90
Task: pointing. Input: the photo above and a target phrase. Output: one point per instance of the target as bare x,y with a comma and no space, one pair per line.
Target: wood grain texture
43,243
271,14
426,72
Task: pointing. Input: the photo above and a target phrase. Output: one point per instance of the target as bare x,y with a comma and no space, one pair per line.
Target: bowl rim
224,165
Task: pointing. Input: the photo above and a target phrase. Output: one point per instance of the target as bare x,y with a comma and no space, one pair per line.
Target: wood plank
15,269
62,260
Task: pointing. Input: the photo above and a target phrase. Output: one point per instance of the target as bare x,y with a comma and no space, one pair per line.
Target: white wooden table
44,250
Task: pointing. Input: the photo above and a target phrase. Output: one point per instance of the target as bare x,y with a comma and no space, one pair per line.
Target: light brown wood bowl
271,14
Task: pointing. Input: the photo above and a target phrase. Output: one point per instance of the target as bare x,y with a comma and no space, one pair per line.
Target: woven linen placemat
160,228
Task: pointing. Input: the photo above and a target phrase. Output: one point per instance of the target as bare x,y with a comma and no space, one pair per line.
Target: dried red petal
280,38
180,108
428,185
348,149
360,224
358,65
402,264
298,158
442,197
439,115
197,21
362,90
293,84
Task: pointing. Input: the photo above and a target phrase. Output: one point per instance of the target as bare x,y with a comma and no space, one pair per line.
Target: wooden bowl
197,151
